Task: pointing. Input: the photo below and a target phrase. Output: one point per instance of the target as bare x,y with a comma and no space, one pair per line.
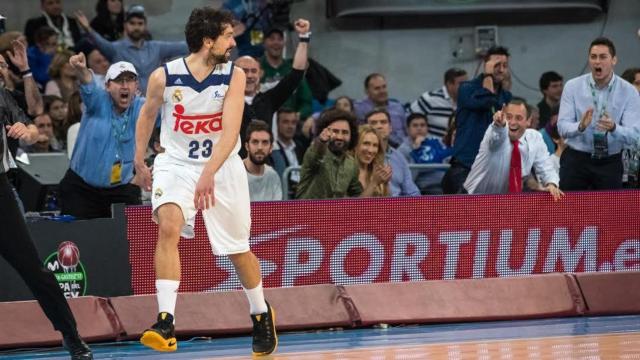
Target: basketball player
202,97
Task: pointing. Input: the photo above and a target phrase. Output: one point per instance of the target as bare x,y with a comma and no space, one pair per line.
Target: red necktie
515,169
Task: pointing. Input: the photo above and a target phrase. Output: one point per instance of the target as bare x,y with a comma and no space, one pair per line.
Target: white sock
167,294
256,300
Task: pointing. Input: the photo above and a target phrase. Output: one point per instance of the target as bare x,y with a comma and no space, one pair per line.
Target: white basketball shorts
228,222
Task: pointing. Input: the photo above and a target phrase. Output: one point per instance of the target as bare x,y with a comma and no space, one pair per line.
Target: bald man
263,105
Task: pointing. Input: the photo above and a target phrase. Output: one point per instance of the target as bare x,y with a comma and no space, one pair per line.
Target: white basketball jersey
192,111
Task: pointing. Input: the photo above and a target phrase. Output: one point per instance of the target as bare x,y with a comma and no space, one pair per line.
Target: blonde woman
374,174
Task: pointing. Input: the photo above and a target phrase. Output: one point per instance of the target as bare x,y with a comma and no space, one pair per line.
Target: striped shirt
10,113
438,106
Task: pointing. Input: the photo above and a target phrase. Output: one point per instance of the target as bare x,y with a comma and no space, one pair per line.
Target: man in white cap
101,167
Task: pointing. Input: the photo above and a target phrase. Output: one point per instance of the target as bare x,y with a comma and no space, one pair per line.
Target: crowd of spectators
467,136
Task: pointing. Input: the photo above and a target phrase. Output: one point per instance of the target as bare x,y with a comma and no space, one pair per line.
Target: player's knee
169,231
238,259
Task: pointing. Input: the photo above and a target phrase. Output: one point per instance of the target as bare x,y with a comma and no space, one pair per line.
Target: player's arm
144,126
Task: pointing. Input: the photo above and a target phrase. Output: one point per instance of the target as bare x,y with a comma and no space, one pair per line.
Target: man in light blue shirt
599,116
145,55
401,183
101,169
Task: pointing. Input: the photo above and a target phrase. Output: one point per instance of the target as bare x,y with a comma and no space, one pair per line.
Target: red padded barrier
228,312
24,323
466,300
610,293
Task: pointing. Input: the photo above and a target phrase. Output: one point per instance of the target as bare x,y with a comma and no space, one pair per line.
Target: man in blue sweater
478,100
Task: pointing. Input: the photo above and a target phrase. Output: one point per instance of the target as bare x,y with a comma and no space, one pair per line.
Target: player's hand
18,131
203,197
586,119
143,177
302,26
556,193
499,118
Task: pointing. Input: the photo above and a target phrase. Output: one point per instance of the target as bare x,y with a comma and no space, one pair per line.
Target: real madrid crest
157,193
177,96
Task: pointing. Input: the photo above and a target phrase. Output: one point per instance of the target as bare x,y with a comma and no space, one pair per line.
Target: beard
337,148
220,58
136,35
258,161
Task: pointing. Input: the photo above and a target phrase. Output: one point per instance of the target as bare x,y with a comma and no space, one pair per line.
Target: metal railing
413,167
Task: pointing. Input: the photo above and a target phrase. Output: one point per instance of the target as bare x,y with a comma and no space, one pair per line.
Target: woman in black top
109,20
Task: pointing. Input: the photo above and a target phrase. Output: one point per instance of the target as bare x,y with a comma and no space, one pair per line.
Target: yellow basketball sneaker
162,335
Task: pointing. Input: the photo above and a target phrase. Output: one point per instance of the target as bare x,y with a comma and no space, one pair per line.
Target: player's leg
161,336
228,226
265,339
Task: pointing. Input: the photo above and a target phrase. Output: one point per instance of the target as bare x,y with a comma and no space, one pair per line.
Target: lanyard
120,131
594,96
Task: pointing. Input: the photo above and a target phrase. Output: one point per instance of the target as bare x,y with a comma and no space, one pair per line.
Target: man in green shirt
328,169
275,67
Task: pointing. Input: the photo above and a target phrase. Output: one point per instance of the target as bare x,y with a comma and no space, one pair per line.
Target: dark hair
451,74
371,76
332,115
606,42
414,116
74,106
519,101
496,50
43,34
255,126
205,22
547,78
448,137
284,110
48,100
630,74
377,111
344,97
552,130
102,10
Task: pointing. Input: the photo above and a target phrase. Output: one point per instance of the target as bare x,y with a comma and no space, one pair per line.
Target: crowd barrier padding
25,325
225,313
610,293
323,306
538,296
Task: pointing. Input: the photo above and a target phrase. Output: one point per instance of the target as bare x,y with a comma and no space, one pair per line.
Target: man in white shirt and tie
508,152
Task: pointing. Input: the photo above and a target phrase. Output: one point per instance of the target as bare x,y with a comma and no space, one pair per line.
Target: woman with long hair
374,175
109,20
63,78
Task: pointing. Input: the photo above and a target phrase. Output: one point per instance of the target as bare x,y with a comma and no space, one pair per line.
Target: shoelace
261,328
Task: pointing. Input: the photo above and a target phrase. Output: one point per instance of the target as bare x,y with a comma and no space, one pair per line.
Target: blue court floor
305,344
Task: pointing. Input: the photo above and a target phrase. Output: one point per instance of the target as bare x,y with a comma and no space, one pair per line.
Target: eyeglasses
4,65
